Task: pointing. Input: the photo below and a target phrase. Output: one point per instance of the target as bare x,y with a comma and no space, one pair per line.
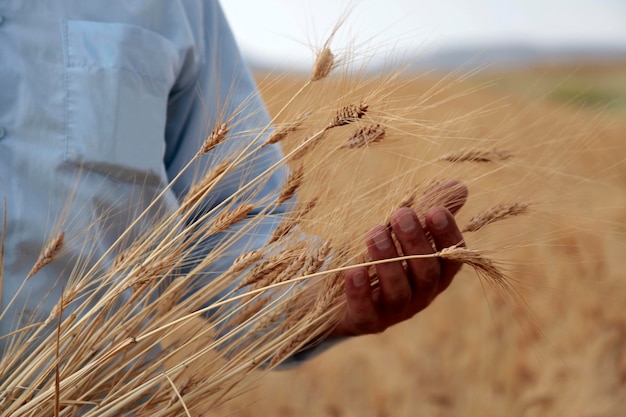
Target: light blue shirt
120,95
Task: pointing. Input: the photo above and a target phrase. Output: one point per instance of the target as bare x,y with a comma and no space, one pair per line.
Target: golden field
561,351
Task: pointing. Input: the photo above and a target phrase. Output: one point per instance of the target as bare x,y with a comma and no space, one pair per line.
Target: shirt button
2,132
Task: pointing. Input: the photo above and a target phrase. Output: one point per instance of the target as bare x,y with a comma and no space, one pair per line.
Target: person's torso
84,88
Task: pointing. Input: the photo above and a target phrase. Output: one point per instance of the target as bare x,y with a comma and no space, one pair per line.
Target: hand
403,291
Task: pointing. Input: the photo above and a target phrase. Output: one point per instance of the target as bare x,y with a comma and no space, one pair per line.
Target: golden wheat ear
50,252
217,136
325,60
496,213
477,155
283,131
363,136
323,64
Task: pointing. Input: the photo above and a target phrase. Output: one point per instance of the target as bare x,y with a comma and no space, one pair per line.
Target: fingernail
381,240
440,220
359,279
406,221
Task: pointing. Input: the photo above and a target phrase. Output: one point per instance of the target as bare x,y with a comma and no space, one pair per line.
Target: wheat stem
180,397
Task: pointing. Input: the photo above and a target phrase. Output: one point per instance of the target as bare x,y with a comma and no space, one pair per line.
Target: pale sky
285,31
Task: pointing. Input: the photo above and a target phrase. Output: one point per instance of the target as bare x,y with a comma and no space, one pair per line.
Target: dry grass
120,339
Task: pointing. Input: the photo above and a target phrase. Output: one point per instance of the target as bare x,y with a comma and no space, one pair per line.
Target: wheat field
557,350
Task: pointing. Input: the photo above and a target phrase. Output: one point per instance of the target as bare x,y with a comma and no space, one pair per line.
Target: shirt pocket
118,79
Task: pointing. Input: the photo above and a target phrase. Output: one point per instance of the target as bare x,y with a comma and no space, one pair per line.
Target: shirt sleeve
215,86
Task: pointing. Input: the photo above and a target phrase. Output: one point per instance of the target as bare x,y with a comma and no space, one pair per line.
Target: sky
286,32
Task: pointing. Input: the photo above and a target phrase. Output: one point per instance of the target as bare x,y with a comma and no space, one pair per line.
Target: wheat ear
323,64
281,133
363,136
51,250
217,136
290,222
349,114
476,155
291,186
229,218
494,214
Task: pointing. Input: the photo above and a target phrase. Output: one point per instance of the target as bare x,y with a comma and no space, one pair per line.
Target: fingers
423,274
406,292
405,289
445,233
362,314
395,288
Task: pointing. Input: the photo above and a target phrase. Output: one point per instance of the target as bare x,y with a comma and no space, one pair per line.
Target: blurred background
442,34
551,88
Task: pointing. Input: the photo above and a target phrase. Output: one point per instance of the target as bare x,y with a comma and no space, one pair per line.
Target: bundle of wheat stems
101,351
